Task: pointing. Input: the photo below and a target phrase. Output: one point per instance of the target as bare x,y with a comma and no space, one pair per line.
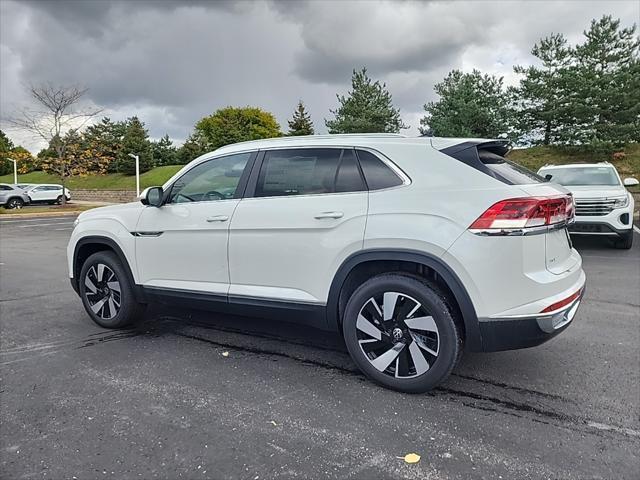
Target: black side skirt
313,315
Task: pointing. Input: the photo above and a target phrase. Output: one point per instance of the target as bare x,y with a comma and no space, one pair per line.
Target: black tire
126,308
625,241
59,200
445,340
14,202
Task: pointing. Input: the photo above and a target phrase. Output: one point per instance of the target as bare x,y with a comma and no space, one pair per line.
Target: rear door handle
218,218
322,215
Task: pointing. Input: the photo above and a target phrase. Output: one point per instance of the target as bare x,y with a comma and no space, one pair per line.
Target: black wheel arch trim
113,246
473,341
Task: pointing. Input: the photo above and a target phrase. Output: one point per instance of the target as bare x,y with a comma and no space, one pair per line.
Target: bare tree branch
58,116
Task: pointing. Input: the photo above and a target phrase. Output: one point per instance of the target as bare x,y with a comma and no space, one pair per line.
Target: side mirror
548,177
630,182
152,196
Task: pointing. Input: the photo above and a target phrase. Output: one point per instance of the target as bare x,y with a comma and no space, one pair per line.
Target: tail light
525,213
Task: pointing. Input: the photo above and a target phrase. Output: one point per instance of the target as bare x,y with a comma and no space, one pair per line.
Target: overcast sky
172,63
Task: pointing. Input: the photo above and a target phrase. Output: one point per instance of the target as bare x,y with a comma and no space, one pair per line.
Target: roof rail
324,136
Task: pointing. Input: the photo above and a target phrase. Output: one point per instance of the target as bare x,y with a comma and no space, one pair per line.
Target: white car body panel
191,251
278,249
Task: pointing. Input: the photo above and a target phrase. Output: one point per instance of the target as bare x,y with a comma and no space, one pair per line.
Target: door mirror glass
630,182
152,196
548,177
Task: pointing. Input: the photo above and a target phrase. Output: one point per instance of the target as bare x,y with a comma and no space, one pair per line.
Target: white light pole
15,170
137,173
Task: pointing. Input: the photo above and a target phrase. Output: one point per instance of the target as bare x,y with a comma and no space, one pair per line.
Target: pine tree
545,97
368,107
135,141
164,153
470,105
300,123
608,84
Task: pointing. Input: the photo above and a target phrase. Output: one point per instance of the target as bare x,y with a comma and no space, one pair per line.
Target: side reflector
562,303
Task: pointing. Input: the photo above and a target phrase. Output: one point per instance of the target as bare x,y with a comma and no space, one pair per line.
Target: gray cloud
173,62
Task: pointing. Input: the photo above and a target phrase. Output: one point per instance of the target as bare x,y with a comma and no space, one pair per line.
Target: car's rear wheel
16,203
107,292
401,333
625,241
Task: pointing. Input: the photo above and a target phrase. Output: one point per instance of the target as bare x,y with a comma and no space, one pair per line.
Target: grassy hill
535,157
112,181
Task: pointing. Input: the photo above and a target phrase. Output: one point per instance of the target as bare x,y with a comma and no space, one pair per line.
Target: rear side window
308,171
377,173
489,158
505,169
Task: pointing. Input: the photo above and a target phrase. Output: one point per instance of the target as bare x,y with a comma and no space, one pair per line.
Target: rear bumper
511,333
599,228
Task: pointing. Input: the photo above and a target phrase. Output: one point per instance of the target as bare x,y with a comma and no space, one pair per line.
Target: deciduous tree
57,111
231,125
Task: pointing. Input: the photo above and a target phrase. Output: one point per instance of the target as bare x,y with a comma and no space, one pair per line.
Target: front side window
5,187
308,171
215,179
575,176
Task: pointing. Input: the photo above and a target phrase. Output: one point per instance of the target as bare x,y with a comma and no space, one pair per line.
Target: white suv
47,193
412,248
603,204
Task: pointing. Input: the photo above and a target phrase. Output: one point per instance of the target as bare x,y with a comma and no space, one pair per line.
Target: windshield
582,176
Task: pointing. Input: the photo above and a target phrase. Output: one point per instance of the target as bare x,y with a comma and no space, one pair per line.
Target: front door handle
218,218
322,215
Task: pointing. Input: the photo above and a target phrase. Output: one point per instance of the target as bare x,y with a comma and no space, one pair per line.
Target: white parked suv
47,193
603,204
412,248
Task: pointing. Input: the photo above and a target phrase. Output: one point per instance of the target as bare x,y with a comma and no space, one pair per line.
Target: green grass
112,181
536,157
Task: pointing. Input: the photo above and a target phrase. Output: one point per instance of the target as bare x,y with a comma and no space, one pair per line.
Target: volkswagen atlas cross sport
603,204
413,248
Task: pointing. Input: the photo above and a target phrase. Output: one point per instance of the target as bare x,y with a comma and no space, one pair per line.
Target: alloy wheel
397,335
103,291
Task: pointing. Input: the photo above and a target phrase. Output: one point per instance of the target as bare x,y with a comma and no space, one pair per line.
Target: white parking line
635,227
44,225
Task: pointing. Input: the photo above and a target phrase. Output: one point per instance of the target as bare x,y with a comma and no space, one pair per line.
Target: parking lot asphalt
188,394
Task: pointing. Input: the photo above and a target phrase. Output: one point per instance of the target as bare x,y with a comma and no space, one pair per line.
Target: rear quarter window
377,174
508,170
489,158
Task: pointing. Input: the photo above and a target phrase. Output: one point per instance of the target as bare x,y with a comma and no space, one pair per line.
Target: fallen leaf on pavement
412,458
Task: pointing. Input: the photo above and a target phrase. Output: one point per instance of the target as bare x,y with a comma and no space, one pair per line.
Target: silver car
12,197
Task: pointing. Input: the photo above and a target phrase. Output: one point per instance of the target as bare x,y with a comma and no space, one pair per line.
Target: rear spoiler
478,153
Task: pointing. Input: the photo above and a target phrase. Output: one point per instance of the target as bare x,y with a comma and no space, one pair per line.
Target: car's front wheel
16,203
401,333
107,292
